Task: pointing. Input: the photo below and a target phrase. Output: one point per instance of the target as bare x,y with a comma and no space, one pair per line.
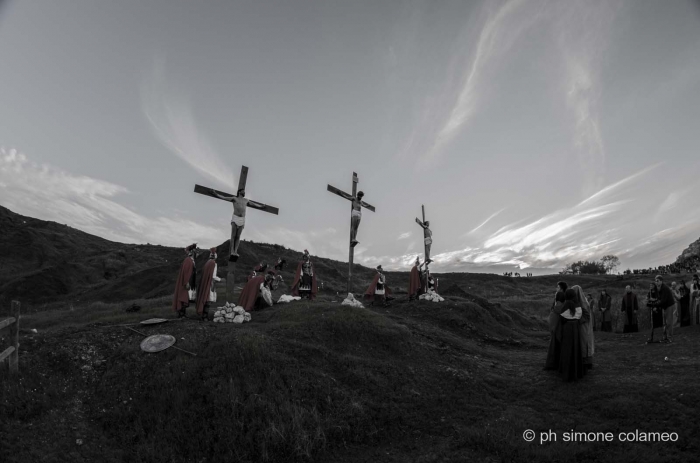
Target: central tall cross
240,205
355,214
427,240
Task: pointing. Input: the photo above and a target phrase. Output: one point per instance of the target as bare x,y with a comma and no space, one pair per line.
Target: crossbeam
206,191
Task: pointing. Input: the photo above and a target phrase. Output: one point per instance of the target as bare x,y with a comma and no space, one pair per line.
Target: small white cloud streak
487,220
90,205
404,236
173,122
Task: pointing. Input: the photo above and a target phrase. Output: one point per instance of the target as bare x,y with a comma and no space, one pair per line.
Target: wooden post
14,339
231,283
351,257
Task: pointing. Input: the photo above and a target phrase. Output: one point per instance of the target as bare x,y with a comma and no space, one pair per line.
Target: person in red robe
207,290
378,289
304,283
250,292
185,282
415,281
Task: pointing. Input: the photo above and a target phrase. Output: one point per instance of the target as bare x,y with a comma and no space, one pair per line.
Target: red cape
415,285
369,294
181,283
250,293
297,278
205,285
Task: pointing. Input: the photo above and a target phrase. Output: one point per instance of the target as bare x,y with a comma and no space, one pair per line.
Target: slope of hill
44,263
316,381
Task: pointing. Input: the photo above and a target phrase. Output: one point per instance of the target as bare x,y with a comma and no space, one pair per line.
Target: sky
536,133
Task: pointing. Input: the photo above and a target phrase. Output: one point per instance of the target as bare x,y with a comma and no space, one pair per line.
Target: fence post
14,339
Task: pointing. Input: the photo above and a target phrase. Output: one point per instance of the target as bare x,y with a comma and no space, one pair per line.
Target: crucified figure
240,204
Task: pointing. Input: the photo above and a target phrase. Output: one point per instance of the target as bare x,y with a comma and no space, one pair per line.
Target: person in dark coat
684,303
604,305
657,316
571,365
630,307
667,303
552,362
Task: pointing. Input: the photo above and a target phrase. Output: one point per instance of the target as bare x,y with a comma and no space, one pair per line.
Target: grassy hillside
424,382
315,381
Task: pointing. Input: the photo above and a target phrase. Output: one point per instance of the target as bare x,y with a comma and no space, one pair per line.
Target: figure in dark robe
206,293
604,305
186,282
657,317
571,366
304,284
415,281
684,302
553,353
378,289
630,307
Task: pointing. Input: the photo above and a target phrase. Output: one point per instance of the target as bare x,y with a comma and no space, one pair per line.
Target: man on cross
356,216
427,239
240,204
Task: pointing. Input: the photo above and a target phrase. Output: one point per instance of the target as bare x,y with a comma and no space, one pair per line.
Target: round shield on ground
157,343
154,321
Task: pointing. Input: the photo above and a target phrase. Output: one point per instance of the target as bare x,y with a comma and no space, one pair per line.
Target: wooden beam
202,190
6,353
263,207
340,193
7,322
243,178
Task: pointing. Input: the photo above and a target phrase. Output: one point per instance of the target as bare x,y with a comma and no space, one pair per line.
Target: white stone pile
431,296
351,301
231,313
287,298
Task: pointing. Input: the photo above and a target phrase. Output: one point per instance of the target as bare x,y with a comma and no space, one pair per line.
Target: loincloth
428,240
238,221
356,213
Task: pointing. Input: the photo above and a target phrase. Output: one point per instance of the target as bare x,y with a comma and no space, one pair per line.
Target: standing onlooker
657,317
666,303
684,310
630,307
604,304
694,302
595,322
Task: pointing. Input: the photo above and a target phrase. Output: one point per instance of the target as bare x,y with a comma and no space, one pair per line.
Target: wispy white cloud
582,30
608,221
617,186
487,220
404,236
90,205
466,102
173,122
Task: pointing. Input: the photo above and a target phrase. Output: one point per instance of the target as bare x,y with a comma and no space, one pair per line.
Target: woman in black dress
570,358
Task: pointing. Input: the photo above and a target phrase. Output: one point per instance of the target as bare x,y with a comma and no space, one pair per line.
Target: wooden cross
240,204
425,246
353,199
